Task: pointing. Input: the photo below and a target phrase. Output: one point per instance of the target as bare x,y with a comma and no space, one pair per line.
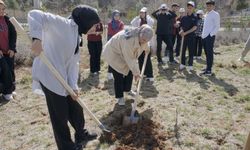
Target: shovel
45,60
134,117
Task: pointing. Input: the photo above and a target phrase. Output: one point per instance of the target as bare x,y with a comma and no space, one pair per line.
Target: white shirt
136,22
211,24
59,40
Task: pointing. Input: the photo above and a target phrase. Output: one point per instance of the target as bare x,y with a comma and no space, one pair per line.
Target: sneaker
150,79
132,93
14,94
177,57
241,59
195,57
182,67
199,57
121,101
165,59
8,97
190,68
110,76
206,73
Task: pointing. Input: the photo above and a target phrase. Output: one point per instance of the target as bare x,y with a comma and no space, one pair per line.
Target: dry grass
199,112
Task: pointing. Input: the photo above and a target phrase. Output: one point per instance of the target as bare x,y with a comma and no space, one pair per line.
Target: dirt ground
180,110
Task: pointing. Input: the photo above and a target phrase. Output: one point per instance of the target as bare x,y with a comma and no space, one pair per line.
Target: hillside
181,110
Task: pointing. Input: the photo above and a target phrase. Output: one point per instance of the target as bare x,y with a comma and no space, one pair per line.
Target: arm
128,54
73,71
150,21
217,25
154,14
134,22
12,36
191,30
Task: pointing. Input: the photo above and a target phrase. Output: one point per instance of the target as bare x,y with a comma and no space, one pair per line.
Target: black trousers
178,45
188,43
6,76
168,40
198,46
61,110
95,51
122,83
209,51
149,69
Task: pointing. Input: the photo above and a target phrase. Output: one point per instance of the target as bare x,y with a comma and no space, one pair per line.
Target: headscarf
85,17
115,24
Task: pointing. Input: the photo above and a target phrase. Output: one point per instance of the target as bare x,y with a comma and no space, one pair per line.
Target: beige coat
122,54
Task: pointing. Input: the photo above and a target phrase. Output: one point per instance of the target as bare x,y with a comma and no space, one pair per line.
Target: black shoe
207,73
174,62
85,137
78,146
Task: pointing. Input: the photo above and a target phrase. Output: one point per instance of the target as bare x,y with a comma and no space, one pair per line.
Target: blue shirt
188,22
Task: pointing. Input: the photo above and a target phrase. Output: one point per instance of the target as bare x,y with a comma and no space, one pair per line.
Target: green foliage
12,4
242,4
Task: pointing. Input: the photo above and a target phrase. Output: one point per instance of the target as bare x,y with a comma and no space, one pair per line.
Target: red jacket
112,31
94,37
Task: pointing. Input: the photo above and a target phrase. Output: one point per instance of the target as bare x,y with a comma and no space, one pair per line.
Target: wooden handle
66,86
182,41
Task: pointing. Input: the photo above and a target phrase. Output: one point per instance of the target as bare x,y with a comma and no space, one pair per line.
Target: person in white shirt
246,50
138,21
210,29
58,38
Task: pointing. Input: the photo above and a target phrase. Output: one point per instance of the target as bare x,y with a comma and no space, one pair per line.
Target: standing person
178,29
62,50
198,33
164,31
8,38
246,50
210,29
138,21
175,8
188,27
122,52
114,26
95,49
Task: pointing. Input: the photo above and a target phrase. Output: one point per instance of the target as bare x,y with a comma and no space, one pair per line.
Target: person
114,26
62,50
138,21
8,38
198,32
121,52
210,29
246,50
175,8
178,29
95,49
164,32
188,27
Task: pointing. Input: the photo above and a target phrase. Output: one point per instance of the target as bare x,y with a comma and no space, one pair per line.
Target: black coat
12,34
164,22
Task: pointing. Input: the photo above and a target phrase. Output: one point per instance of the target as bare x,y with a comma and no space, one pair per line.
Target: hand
11,53
183,34
1,53
137,77
92,30
76,95
177,25
36,47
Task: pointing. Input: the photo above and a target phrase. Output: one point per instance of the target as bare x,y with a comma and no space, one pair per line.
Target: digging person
122,52
58,38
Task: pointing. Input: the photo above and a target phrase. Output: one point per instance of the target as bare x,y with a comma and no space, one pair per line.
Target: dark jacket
164,22
12,34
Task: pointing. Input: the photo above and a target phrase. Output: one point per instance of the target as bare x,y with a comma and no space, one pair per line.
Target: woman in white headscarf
138,21
122,52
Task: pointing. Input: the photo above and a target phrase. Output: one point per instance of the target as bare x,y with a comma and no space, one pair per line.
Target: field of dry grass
195,112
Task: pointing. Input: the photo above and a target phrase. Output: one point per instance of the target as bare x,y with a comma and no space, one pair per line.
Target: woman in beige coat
122,52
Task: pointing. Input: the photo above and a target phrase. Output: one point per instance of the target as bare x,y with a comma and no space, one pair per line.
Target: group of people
124,53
